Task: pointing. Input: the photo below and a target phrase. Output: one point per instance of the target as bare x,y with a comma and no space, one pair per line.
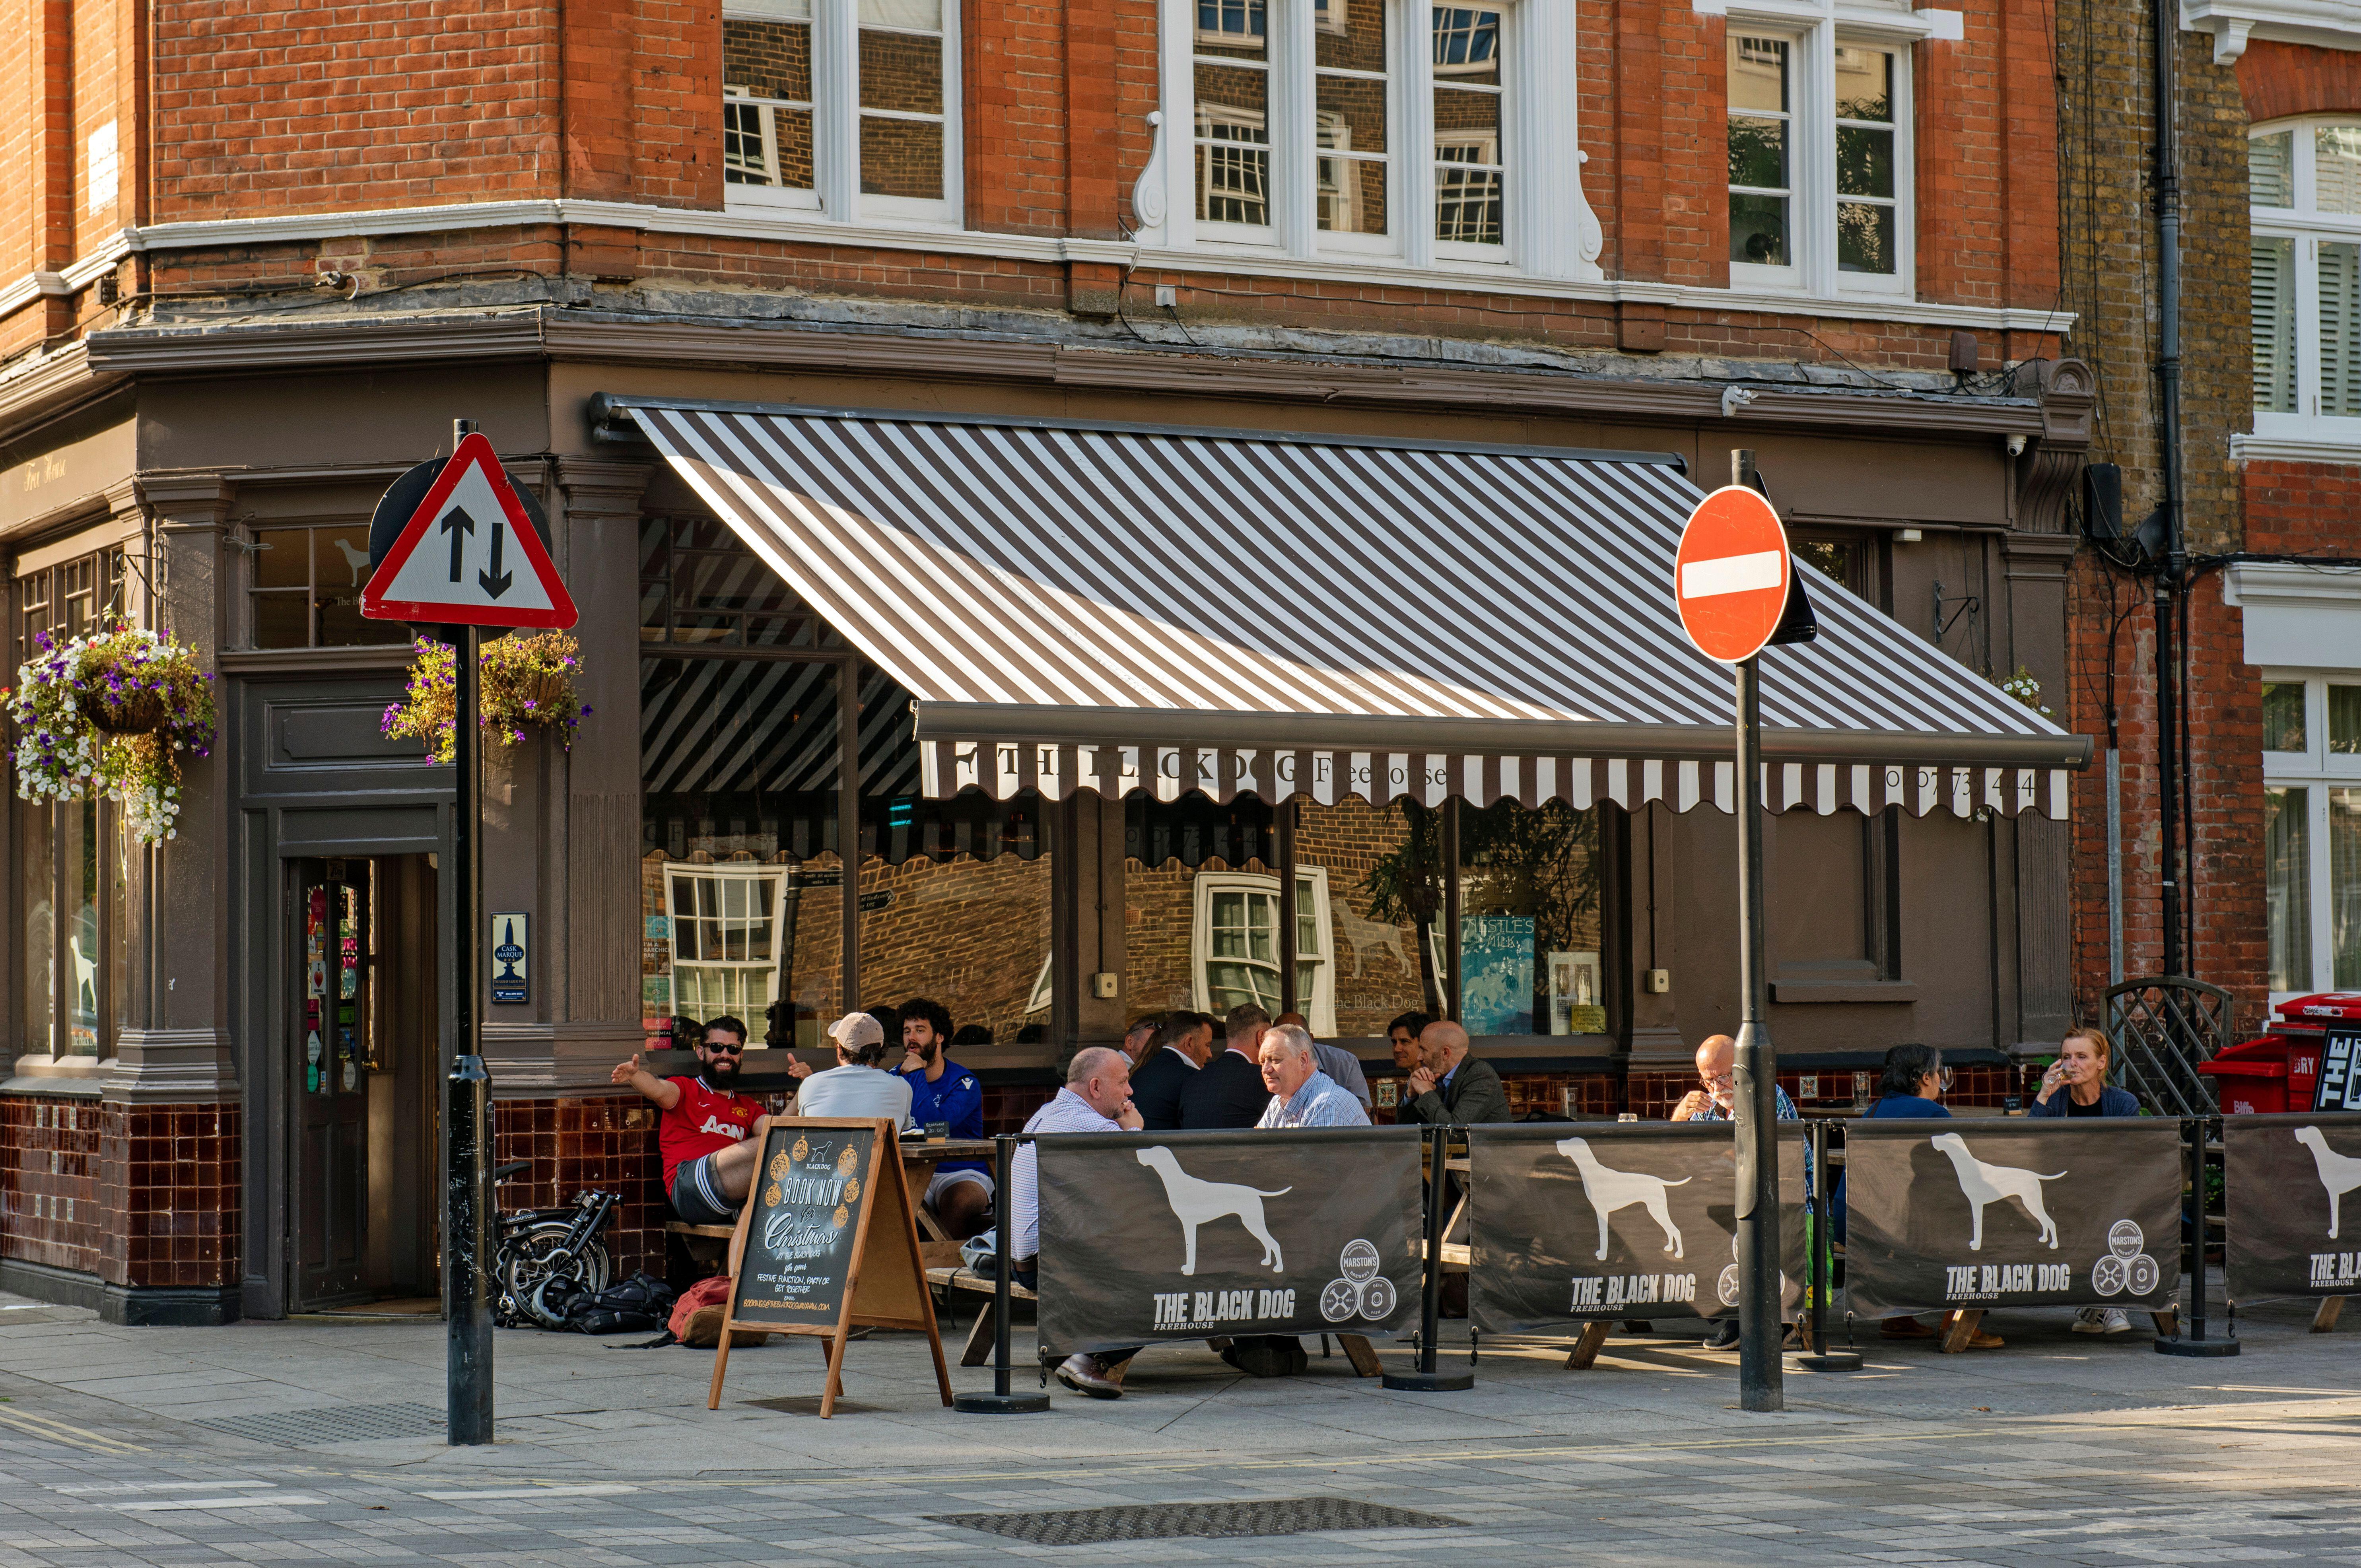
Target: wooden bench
984,1337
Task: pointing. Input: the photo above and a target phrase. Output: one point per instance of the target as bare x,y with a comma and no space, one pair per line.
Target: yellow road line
59,1432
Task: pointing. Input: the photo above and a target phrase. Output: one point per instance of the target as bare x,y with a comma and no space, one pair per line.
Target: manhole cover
331,1423
1157,1521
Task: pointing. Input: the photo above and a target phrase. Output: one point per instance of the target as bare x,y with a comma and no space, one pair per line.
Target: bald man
1451,1088
1717,1100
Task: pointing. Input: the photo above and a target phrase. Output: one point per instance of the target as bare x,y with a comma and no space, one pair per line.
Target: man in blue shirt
960,1192
1717,1100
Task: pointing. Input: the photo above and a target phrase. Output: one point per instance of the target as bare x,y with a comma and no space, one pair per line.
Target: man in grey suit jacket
1449,1086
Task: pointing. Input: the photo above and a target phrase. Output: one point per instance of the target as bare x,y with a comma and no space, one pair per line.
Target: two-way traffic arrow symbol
496,582
458,525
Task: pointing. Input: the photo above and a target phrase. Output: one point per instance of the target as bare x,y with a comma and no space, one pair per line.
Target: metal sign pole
1756,1086
467,1120
1001,1401
1423,1378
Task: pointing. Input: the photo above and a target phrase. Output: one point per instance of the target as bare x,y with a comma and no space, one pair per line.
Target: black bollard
1426,1379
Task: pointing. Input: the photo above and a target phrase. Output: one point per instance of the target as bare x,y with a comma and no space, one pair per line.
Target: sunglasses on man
723,1047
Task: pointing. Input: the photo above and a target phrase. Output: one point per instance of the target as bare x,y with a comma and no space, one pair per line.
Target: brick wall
2109,279
261,109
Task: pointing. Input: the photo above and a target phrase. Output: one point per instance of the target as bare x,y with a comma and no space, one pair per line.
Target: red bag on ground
696,1316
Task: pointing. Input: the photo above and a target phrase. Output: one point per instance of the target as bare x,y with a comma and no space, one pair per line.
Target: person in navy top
960,1192
1914,1077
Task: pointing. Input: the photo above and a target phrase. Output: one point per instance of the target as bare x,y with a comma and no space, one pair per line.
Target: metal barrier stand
1823,1359
1000,1401
2194,1342
1426,1379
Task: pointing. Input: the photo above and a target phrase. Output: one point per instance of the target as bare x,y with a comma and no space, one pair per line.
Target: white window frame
836,112
1321,1005
2318,770
1549,230
722,872
1813,34
2308,229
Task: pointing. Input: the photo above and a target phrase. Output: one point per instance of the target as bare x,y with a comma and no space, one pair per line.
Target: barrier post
1426,1379
1001,1401
1822,1359
2193,1340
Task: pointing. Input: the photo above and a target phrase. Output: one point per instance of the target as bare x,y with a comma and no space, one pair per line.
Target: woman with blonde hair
2076,1083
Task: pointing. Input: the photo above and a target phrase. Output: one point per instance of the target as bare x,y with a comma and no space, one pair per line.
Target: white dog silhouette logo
1363,1292
1611,1190
2339,1173
1196,1202
1985,1184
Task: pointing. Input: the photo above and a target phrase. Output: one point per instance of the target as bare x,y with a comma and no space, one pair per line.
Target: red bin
2280,1071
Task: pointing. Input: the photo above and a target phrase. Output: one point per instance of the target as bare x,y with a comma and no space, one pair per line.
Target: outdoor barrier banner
1573,1220
2293,1188
1983,1214
1186,1235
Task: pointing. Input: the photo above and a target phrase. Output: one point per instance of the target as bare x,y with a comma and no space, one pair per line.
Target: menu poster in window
827,1242
2340,1072
1496,974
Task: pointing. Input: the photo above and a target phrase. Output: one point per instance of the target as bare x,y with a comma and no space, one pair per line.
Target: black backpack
635,1306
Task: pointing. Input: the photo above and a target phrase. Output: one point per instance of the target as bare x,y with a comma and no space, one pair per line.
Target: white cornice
2324,24
81,275
774,227
2244,448
2258,585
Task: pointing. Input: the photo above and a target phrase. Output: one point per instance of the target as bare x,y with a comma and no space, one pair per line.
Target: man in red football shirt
710,1135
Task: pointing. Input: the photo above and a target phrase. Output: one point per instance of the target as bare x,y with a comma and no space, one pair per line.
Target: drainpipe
2166,20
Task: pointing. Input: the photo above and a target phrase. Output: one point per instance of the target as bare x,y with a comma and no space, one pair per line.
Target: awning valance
1122,607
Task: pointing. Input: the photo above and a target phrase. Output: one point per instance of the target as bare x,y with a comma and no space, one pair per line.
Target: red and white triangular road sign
468,556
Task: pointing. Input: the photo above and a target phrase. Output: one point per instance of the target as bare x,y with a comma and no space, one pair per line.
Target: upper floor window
1367,128
1820,163
842,106
2305,253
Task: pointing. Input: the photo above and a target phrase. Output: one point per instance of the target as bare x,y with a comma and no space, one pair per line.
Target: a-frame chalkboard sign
827,1242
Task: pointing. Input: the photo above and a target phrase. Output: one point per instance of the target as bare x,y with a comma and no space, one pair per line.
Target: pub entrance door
362,1026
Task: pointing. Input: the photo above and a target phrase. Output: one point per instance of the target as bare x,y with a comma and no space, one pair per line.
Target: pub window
73,859
306,589
842,108
725,927
1235,951
2312,832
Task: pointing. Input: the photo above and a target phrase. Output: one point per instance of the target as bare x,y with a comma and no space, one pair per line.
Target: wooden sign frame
885,1287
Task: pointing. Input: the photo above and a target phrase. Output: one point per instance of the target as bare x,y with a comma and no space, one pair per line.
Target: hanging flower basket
521,682
107,715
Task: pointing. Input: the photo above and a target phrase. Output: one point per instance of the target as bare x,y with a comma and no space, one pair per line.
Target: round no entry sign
1733,574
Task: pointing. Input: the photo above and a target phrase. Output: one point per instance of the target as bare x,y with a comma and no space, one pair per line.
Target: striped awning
1124,608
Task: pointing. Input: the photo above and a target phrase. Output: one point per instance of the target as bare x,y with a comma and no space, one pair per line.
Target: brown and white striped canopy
1123,607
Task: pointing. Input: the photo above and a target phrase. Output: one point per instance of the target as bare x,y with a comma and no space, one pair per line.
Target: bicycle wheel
537,1254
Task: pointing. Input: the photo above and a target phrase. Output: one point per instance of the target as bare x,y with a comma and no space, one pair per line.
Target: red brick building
2269,109
254,259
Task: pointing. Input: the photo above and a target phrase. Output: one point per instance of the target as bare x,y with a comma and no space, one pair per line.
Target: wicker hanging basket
133,713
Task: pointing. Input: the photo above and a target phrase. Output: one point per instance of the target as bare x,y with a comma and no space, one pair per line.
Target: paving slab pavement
157,1446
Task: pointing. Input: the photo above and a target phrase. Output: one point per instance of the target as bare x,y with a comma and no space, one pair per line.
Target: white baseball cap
855,1031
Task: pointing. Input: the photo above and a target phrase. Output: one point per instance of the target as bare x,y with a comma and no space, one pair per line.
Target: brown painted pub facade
1103,227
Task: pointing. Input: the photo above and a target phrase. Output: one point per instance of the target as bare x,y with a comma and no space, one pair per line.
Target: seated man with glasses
1717,1100
710,1135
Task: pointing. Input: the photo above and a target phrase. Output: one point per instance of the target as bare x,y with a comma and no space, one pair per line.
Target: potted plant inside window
110,715
521,681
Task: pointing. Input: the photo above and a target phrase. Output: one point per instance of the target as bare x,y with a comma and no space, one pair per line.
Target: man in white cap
859,1084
